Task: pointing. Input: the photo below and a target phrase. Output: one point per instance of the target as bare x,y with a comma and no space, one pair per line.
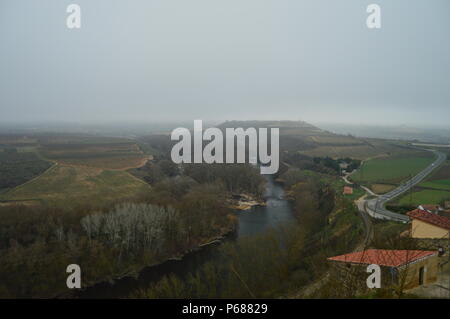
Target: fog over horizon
179,60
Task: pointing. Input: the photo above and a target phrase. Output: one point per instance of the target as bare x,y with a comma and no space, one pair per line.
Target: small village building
411,268
447,204
348,190
430,208
425,224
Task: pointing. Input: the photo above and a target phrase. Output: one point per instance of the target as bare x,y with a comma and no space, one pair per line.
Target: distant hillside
307,139
400,132
280,124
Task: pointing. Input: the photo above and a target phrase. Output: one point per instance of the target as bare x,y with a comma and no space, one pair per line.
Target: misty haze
198,149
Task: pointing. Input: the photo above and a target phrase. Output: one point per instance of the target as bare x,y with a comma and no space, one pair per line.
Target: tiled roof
348,190
430,207
384,257
440,221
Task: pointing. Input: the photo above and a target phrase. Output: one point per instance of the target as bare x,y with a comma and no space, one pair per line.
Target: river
251,222
261,218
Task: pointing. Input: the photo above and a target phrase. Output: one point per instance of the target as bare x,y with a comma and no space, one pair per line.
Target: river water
251,222
260,218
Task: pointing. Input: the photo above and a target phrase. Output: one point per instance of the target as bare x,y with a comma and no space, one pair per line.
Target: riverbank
139,273
259,218
244,202
149,273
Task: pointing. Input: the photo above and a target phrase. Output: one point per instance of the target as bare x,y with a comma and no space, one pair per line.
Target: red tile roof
430,207
422,215
348,190
383,257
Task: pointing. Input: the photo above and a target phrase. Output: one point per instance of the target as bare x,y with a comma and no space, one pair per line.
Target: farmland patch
68,185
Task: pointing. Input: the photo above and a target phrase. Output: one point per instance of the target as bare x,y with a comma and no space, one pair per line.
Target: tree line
38,243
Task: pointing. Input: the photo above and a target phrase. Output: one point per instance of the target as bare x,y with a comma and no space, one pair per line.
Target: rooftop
348,190
384,257
430,218
429,207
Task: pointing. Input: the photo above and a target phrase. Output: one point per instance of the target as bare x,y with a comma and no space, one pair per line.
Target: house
431,208
425,224
446,211
348,190
411,267
447,204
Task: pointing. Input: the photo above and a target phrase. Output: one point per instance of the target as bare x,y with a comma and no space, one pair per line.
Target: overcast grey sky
159,60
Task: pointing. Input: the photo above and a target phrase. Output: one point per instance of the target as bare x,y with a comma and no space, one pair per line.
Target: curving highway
375,207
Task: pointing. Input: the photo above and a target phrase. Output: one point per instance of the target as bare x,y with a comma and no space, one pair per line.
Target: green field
439,184
66,185
86,169
434,190
336,183
425,197
439,179
123,155
19,167
391,169
361,148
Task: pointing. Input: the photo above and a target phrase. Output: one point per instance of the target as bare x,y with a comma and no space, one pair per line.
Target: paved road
375,207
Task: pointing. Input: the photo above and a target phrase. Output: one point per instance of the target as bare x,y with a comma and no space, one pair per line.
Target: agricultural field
309,140
424,197
439,180
19,167
68,169
107,156
434,190
336,183
16,140
340,146
438,184
338,151
78,139
68,185
117,155
382,188
336,140
392,169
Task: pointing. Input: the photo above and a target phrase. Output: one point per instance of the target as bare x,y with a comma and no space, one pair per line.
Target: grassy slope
382,188
440,179
359,148
391,169
64,185
312,141
18,168
440,183
425,197
123,155
84,172
336,183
